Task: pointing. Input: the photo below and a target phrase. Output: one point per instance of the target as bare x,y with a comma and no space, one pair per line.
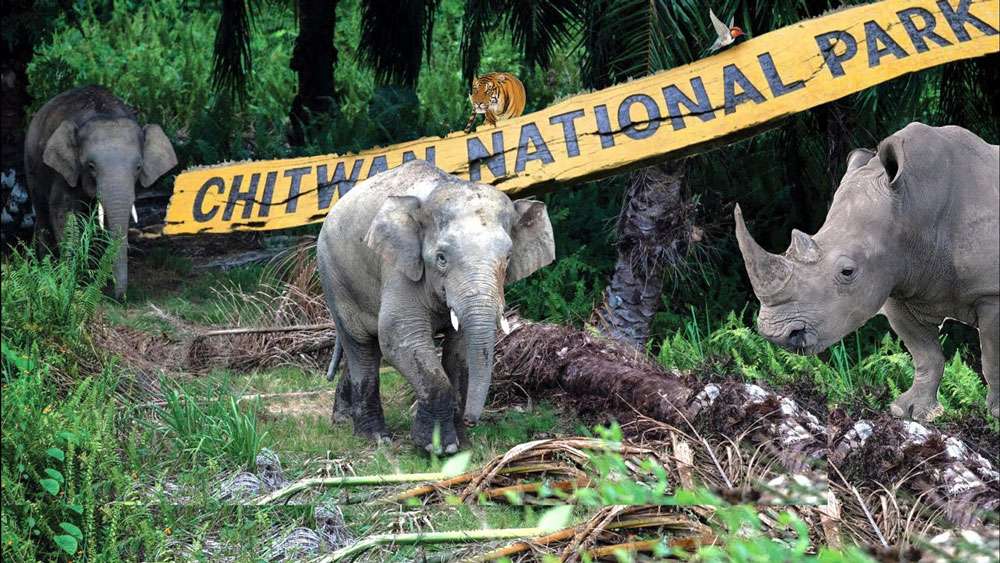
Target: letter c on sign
199,200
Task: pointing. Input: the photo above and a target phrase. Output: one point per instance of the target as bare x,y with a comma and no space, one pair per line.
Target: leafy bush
60,468
48,301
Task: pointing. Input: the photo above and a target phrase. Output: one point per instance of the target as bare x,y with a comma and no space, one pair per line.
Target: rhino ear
858,158
890,154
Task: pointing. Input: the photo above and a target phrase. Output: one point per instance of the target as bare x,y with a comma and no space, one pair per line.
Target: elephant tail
338,351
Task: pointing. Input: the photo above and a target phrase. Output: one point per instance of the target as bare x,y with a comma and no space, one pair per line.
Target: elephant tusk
100,214
504,325
454,320
135,215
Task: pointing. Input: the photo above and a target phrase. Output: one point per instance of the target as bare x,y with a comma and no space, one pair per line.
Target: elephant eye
91,166
441,260
138,165
847,272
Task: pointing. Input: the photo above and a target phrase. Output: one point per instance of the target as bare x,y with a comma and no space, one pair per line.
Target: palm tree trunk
655,230
313,59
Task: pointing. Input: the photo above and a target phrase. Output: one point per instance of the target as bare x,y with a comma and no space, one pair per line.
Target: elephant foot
917,405
341,412
372,427
993,402
435,414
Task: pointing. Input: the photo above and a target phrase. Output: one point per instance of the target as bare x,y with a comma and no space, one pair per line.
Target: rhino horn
768,272
803,248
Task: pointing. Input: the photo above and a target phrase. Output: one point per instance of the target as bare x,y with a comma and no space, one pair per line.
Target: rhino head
827,285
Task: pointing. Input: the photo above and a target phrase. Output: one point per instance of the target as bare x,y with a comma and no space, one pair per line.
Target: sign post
682,111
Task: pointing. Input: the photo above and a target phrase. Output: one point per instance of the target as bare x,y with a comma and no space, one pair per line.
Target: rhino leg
920,401
989,335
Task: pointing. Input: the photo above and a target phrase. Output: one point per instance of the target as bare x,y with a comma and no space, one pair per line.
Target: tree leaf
67,543
50,485
71,530
54,474
555,518
78,508
56,453
456,464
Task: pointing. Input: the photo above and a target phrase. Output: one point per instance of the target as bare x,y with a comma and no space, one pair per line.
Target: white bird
727,33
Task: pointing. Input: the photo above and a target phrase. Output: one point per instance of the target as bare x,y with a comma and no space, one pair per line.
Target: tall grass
212,425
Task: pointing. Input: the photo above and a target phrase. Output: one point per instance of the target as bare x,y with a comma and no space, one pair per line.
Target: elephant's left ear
534,245
157,155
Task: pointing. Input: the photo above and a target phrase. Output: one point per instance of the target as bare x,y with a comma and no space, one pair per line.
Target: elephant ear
890,154
859,158
395,235
157,155
61,153
534,246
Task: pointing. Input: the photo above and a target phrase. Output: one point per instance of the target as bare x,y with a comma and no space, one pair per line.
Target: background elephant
84,148
411,253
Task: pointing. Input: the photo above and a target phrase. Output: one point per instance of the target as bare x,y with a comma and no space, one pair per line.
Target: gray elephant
408,254
83,149
912,234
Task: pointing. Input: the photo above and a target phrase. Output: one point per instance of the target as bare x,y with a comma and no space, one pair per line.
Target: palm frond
232,61
480,16
394,36
538,28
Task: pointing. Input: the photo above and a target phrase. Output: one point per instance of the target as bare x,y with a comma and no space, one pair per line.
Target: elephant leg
42,239
920,401
453,358
989,334
362,400
342,404
409,347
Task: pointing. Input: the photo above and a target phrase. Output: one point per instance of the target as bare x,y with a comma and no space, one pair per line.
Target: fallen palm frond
596,374
426,538
285,322
604,531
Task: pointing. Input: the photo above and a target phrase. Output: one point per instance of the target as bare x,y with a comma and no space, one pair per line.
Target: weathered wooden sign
678,112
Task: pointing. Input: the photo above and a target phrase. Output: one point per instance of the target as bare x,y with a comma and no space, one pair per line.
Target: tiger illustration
499,95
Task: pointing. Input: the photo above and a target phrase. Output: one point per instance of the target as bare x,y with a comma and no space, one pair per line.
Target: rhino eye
847,271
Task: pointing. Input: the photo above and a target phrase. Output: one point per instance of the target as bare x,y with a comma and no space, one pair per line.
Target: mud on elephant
411,253
84,149
913,234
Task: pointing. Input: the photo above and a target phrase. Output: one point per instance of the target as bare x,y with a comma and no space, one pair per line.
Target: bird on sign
727,33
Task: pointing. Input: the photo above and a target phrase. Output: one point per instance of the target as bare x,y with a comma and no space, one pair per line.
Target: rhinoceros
912,234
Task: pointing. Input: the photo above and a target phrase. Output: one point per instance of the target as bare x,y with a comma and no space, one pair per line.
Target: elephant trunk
481,312
117,198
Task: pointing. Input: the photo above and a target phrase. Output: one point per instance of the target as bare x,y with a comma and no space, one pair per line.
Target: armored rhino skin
912,234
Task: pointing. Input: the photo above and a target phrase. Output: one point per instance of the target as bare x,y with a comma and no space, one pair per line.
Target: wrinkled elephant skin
408,254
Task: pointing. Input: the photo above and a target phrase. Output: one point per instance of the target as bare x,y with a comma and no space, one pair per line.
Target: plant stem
348,481
428,537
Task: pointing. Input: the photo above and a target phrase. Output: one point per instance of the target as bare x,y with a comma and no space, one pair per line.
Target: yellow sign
682,111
